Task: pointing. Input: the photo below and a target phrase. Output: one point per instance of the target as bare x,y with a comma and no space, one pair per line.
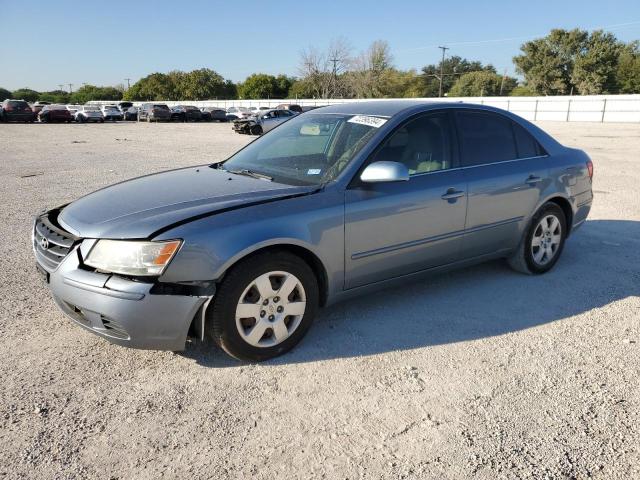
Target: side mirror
378,172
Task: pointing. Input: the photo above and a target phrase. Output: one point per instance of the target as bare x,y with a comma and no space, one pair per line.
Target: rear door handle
452,194
532,180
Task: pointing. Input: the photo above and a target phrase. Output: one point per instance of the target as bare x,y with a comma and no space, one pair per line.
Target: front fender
213,244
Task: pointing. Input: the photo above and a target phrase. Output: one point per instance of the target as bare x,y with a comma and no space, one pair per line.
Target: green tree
157,86
595,66
522,91
452,68
199,84
259,85
301,89
26,94
570,61
4,94
400,83
483,83
87,93
283,83
54,96
628,70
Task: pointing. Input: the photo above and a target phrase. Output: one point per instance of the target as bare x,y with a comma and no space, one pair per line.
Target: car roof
379,108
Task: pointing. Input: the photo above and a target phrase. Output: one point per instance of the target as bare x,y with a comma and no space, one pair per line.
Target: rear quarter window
527,145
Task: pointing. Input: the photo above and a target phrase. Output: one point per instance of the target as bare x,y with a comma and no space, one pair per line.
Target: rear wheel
543,241
264,306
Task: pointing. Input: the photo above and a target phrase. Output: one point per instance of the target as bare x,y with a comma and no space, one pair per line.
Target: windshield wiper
249,173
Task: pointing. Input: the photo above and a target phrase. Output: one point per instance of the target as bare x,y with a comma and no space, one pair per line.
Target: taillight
8,108
590,169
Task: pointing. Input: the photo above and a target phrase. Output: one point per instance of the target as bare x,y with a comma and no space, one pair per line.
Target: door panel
505,177
502,196
392,229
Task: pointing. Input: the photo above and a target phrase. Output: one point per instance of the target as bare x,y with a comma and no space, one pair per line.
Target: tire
102,120
550,236
225,328
80,119
256,130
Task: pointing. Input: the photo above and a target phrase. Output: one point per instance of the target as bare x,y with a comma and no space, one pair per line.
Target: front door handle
532,180
452,194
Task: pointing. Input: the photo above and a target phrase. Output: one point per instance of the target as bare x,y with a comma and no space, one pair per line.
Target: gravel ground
480,373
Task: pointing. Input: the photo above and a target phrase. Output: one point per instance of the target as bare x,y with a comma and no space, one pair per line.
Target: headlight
131,257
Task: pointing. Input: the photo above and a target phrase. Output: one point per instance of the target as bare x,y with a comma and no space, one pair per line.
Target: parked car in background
216,114
37,106
263,121
345,200
205,115
55,113
256,110
89,113
73,109
111,112
154,112
185,113
238,112
131,114
290,106
16,111
124,106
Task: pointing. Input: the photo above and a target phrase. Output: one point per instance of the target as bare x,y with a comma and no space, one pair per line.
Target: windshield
306,150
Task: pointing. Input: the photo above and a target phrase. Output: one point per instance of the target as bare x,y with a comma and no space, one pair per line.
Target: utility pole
502,82
444,49
334,60
128,84
70,89
61,85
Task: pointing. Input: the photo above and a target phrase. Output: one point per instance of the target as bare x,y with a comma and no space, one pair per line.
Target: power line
510,39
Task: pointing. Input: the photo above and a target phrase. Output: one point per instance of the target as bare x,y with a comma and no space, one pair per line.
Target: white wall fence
586,108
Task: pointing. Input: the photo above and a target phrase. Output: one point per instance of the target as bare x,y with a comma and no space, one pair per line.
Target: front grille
51,243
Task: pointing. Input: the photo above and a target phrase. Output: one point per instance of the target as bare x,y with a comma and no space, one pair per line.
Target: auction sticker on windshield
375,122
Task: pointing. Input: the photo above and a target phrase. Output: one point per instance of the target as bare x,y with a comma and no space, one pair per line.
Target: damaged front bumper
243,126
124,311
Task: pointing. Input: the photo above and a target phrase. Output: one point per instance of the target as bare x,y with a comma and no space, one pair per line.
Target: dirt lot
480,373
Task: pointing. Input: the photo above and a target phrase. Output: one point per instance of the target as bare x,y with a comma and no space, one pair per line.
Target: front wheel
264,306
543,241
256,130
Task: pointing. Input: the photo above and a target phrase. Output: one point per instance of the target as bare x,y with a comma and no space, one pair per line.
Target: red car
55,113
16,111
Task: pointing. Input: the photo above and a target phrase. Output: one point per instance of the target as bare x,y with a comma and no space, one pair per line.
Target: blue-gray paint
364,235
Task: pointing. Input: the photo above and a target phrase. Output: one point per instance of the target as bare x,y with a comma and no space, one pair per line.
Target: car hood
139,207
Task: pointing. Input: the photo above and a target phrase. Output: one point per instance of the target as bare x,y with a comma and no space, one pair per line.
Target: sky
47,43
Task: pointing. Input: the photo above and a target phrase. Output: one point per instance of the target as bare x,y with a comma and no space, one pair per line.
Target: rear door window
485,137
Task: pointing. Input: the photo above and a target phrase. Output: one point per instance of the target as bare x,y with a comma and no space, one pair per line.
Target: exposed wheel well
309,257
564,204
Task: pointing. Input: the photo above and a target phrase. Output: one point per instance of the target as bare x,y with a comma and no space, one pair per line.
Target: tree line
564,62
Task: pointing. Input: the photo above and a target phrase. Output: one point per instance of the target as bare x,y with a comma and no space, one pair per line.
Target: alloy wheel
270,309
546,239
